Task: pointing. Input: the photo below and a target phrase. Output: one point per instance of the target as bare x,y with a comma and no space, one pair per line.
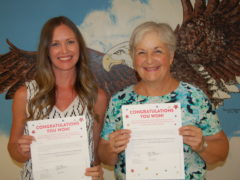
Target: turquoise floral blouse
196,110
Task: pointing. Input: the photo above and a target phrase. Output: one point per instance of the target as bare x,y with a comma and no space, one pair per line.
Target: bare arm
217,144
217,149
105,154
19,144
109,149
100,109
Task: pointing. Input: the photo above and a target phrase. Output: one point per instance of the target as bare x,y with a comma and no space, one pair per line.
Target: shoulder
20,101
122,97
191,90
31,84
123,92
189,87
101,95
196,97
32,88
21,93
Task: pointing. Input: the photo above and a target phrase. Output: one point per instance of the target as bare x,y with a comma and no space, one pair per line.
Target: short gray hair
165,32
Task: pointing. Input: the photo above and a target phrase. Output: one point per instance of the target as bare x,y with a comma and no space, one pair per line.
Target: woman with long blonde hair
62,87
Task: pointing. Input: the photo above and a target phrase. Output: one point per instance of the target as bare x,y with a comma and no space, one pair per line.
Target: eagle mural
207,55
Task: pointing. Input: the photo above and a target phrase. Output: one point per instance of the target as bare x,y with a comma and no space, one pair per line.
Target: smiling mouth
150,69
65,58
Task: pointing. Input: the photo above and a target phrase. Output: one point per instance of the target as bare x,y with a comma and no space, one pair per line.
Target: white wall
9,170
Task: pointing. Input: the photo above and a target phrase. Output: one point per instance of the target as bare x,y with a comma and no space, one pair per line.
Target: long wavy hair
85,85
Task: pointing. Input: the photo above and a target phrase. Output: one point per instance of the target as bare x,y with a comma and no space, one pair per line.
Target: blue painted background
21,22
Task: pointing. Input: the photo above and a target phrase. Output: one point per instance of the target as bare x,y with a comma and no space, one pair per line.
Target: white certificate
155,150
60,151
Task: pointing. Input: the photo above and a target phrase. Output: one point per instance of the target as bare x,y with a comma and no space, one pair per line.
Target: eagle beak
108,62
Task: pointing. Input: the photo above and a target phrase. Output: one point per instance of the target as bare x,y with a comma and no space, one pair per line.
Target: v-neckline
66,109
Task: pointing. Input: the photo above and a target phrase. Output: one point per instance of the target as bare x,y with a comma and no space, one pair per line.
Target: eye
140,52
119,52
158,51
54,44
71,42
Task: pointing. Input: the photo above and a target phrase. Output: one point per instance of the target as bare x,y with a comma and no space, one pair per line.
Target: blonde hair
84,85
165,32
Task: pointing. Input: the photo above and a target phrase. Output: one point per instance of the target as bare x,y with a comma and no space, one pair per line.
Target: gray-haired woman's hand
192,136
118,140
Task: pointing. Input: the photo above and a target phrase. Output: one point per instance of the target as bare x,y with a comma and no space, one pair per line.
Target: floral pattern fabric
196,110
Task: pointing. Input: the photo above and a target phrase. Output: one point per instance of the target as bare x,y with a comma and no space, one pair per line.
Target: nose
149,58
64,48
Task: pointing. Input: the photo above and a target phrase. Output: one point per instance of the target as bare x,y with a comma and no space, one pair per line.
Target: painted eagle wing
207,54
208,44
16,67
208,47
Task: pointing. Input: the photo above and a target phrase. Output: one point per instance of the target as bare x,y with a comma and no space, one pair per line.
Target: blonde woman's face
152,58
64,49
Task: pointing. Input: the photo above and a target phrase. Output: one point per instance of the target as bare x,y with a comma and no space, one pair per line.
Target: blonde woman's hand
23,145
96,172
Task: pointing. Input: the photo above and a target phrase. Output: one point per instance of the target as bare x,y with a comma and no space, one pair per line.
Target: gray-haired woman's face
152,58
